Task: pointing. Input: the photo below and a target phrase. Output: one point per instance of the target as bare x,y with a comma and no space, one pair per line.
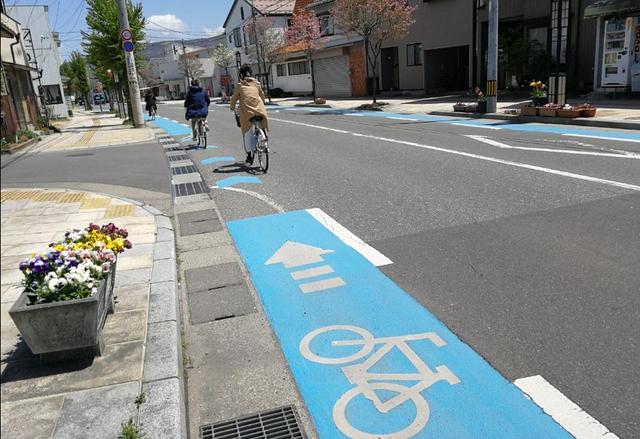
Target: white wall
36,18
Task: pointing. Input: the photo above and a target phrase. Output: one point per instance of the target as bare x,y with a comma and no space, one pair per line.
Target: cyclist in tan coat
249,92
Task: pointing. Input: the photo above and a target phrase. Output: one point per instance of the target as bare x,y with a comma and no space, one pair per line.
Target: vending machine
618,51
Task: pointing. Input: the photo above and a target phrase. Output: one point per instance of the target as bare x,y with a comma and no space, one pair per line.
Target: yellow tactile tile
95,203
72,197
18,195
48,196
119,211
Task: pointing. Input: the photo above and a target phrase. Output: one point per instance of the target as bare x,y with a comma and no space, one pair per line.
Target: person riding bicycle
197,105
151,104
249,92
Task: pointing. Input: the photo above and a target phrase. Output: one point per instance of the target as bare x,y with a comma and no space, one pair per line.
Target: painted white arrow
295,254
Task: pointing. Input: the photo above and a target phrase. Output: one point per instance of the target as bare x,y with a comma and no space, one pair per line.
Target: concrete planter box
109,301
66,330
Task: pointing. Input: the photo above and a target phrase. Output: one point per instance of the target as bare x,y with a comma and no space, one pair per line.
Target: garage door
332,77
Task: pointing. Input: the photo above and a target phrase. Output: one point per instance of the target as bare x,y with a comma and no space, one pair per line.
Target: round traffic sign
127,46
126,34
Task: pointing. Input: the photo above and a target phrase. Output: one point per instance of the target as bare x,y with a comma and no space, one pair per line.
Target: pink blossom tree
375,21
304,35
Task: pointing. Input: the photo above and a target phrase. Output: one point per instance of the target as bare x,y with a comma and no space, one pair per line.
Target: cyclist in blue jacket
197,105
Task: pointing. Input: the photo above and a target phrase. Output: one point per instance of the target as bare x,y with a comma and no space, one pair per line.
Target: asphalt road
528,248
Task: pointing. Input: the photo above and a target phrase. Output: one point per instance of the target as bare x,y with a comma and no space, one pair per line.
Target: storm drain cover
190,188
179,170
176,158
275,424
174,148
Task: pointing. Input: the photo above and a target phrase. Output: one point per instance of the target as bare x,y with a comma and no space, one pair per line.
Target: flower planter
588,112
539,101
65,330
471,108
547,112
459,108
528,111
569,113
110,280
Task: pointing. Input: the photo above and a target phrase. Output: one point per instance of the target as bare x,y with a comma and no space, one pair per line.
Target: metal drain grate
275,424
176,158
174,148
179,170
190,189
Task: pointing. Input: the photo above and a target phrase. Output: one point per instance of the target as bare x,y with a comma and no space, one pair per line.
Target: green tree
76,70
102,43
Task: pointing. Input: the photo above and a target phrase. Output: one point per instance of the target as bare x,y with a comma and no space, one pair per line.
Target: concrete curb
21,146
538,119
163,414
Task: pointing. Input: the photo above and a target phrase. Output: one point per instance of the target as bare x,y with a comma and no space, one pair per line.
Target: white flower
76,235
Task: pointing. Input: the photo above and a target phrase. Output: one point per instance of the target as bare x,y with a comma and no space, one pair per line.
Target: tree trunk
268,76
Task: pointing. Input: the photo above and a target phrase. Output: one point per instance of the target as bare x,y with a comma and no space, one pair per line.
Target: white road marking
564,411
311,272
321,285
184,125
173,120
296,254
346,236
353,114
401,118
489,127
479,157
601,137
260,197
559,151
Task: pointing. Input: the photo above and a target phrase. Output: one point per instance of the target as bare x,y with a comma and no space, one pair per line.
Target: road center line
601,137
565,412
559,151
476,156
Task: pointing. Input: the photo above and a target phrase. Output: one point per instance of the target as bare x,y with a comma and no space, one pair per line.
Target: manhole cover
179,170
280,423
176,158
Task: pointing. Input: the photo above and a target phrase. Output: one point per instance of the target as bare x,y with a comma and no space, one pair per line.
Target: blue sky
186,18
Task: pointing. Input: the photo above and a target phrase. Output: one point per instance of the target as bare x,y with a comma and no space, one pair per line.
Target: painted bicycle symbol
367,383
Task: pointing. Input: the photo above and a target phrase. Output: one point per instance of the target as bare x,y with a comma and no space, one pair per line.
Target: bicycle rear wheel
262,150
202,135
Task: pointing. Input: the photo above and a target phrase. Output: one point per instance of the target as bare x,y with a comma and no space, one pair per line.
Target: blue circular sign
127,46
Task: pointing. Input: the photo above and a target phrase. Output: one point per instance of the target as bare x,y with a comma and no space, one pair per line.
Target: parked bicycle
367,383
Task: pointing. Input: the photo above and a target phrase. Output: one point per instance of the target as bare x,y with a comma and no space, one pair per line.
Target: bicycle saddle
257,119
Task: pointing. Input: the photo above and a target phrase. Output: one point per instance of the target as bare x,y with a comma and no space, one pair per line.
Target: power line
73,14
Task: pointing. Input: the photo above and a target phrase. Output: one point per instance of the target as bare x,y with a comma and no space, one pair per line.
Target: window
52,94
242,12
230,38
282,69
237,37
414,54
326,25
238,59
289,21
299,68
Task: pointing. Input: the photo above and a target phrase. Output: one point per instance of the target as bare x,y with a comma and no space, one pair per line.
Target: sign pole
132,74
492,64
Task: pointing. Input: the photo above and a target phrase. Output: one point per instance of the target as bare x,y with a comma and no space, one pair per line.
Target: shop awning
612,7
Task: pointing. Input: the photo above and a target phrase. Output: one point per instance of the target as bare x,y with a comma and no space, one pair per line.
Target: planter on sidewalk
529,111
569,112
548,111
109,300
64,330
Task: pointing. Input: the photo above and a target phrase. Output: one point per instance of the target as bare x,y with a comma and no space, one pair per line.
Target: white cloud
213,32
167,24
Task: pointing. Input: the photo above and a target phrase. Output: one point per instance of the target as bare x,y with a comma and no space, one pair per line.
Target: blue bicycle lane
370,361
564,130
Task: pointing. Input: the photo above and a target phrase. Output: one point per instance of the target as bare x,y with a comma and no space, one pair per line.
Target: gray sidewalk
142,349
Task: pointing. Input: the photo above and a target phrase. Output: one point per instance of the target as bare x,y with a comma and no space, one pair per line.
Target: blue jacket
197,103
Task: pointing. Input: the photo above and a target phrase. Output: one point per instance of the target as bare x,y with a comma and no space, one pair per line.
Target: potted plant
548,110
586,110
538,93
482,100
61,312
108,237
569,111
529,110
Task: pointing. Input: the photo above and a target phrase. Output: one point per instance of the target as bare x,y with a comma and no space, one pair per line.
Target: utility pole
492,62
132,74
186,70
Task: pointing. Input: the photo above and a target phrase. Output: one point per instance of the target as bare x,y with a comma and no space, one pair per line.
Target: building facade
19,101
42,48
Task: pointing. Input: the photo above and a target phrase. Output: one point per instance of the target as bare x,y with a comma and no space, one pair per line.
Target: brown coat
251,97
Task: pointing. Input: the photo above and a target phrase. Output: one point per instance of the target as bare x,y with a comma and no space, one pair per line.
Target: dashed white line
489,127
559,151
260,197
479,157
346,236
564,411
